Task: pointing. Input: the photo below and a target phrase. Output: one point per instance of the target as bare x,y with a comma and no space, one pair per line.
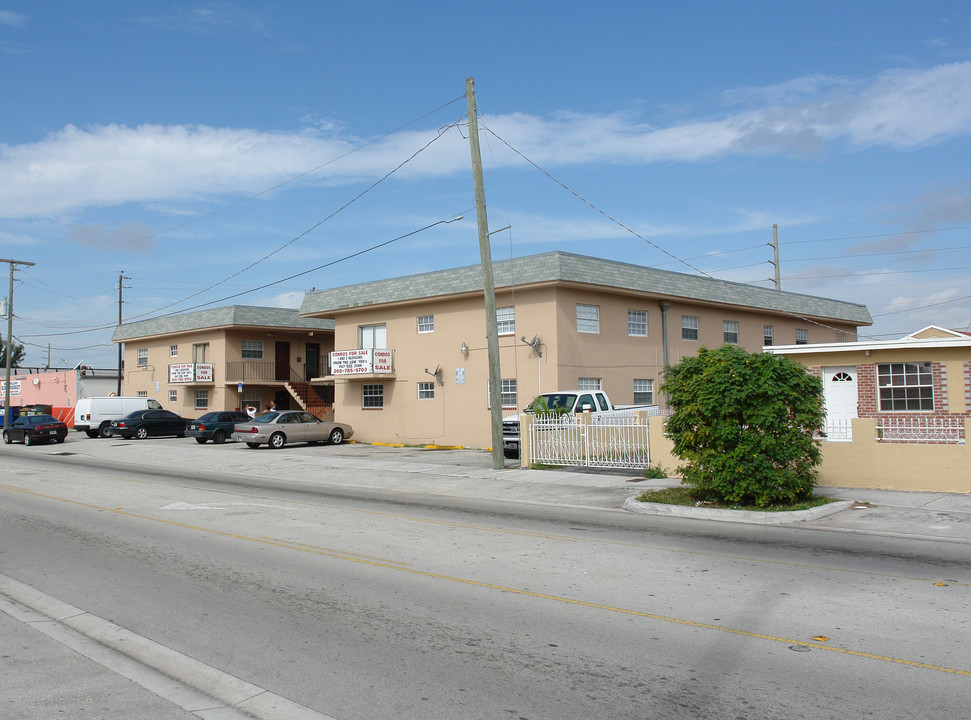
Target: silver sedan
276,429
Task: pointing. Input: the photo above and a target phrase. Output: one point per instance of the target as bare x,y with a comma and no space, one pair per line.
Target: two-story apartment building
227,358
411,364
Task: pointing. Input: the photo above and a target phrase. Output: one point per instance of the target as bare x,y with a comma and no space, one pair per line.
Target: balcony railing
267,371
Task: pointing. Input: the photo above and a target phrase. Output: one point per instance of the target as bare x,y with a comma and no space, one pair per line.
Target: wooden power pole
489,289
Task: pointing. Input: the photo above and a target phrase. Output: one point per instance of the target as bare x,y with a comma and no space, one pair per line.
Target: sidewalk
469,474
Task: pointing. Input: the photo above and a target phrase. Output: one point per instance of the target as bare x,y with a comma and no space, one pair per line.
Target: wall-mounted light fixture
464,349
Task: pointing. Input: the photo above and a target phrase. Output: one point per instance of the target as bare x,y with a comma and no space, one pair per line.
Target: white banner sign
14,388
361,362
190,372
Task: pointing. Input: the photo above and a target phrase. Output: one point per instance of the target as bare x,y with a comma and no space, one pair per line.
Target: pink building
58,388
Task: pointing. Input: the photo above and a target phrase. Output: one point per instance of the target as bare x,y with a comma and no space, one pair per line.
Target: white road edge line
146,662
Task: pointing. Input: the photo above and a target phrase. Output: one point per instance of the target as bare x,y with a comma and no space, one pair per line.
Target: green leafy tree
745,425
16,358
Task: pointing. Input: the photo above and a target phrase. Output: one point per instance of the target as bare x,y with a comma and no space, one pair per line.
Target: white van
93,415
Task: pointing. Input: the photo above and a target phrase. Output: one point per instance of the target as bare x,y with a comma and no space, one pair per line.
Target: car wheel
336,436
252,445
27,439
105,430
277,440
141,433
59,440
92,433
201,441
6,438
219,437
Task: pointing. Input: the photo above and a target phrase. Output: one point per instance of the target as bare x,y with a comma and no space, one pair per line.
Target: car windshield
266,417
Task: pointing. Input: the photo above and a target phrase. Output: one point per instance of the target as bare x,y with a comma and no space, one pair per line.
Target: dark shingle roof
567,267
231,315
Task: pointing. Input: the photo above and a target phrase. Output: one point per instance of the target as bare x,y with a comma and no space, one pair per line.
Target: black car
148,423
215,426
31,429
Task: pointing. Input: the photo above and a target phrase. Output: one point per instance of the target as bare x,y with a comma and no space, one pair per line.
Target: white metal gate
590,440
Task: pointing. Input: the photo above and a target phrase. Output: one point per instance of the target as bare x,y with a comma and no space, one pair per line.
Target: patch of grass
656,472
682,495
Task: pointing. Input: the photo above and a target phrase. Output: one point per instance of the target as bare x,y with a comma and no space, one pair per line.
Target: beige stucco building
411,364
226,358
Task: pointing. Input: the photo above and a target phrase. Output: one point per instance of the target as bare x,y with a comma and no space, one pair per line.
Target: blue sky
211,150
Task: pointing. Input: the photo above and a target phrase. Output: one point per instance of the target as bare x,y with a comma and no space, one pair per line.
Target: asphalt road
351,601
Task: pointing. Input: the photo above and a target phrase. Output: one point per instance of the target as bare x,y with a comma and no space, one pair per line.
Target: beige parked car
276,429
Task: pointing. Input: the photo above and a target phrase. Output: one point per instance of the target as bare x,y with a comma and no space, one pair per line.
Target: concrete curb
752,517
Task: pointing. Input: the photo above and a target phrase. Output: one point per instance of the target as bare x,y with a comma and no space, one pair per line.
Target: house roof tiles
229,316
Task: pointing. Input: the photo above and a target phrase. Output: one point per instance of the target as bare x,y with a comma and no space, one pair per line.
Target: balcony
250,371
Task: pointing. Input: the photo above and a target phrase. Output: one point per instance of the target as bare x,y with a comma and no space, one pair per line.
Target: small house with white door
897,411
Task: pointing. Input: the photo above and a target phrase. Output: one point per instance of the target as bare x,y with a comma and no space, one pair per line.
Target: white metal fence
930,429
595,440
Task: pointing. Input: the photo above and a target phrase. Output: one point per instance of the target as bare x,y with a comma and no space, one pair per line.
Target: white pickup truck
563,402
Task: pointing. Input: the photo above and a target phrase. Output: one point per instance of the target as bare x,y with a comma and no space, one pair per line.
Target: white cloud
13,19
115,164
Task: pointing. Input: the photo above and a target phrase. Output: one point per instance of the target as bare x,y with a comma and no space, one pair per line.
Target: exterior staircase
309,400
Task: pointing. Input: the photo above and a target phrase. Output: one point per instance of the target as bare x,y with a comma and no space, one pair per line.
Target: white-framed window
173,396
689,327
426,323
251,397
589,383
252,349
730,331
426,390
142,357
802,337
506,320
200,353
202,398
142,393
637,323
507,392
373,336
905,386
767,334
643,392
372,396
588,318
173,351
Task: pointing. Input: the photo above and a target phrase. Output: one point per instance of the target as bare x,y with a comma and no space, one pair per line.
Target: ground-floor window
426,390
143,393
905,386
643,392
372,396
173,396
507,393
202,399
589,383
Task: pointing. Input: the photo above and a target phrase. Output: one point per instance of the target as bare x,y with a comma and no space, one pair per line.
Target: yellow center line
501,588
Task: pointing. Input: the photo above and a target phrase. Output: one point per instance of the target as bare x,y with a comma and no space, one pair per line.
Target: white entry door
839,392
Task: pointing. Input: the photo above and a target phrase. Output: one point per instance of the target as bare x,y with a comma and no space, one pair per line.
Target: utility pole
9,353
489,289
121,285
775,255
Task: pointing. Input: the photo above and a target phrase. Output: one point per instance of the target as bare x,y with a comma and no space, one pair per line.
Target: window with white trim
426,323
173,396
802,337
730,332
905,386
426,390
588,318
637,323
372,396
142,357
506,320
202,398
689,327
507,392
252,349
373,336
767,332
643,392
142,393
173,351
589,383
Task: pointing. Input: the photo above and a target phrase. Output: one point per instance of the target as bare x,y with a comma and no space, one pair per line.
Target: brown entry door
283,361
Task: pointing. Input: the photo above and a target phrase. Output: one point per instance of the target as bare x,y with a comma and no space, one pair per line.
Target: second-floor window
730,332
252,349
173,351
200,353
426,323
142,357
689,327
767,334
373,336
637,323
588,318
802,337
506,320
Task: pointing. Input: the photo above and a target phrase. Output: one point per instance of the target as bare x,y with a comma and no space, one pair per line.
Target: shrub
744,425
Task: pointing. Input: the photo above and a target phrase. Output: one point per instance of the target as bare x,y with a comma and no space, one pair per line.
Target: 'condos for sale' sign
361,362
